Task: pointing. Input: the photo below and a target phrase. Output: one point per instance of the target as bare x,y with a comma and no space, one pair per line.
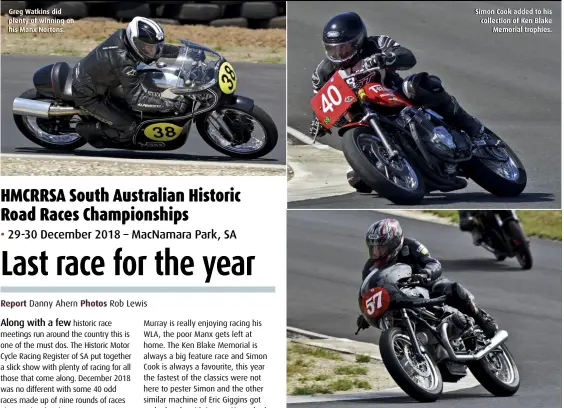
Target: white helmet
146,39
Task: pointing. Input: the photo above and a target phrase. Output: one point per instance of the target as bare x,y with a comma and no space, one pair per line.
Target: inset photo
459,308
424,104
143,88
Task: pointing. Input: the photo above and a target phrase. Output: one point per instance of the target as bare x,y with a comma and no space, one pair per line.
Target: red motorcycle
403,151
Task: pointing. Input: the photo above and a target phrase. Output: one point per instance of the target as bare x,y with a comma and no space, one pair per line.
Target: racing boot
356,183
91,132
485,322
459,118
476,236
464,301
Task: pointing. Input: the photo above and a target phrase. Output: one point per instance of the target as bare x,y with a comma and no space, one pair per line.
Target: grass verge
80,37
536,223
313,370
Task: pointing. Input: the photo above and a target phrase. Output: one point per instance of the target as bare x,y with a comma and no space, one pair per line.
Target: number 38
331,97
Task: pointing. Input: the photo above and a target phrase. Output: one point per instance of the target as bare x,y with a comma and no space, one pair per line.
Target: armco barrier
255,14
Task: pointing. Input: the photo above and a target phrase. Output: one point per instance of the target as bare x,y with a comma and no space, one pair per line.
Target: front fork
417,348
372,118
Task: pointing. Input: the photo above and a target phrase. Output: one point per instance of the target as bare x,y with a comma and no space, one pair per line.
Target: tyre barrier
255,14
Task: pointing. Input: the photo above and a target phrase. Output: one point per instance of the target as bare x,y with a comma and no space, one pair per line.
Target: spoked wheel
497,372
53,133
419,377
393,178
253,133
496,168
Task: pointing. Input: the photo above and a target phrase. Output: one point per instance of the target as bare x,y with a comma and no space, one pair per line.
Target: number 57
374,302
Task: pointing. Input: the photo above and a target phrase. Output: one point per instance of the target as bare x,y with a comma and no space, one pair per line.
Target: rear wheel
44,132
497,372
497,169
419,378
395,179
520,244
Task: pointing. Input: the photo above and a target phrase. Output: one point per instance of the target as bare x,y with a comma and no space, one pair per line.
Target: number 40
331,98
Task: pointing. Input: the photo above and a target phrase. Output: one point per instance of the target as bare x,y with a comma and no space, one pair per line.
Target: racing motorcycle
227,122
503,236
424,342
403,151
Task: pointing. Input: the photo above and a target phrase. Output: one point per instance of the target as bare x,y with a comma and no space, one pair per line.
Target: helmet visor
378,252
340,52
150,51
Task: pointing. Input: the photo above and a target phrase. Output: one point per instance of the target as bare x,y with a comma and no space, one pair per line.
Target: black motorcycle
425,342
503,236
229,123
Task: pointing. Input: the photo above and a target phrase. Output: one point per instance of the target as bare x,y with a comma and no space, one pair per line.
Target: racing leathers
422,88
416,255
106,67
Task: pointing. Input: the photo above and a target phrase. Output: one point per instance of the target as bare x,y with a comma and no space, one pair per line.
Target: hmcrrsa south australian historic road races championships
100,195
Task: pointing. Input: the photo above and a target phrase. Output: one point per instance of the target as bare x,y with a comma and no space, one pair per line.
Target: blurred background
263,14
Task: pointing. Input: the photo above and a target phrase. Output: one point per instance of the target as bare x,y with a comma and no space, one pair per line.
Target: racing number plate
333,100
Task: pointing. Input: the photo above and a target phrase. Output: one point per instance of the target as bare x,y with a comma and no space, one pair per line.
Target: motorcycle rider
113,63
387,245
466,224
348,47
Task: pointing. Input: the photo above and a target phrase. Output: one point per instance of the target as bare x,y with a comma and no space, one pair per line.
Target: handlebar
361,72
417,302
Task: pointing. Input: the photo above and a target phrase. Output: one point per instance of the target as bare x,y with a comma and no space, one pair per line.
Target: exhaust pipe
42,109
499,338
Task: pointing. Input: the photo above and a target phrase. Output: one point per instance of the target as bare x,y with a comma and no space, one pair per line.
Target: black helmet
146,39
343,36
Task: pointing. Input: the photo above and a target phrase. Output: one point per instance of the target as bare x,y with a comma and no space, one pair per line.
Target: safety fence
255,14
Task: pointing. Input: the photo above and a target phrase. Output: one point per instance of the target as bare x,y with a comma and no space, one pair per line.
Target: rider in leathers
387,245
113,63
348,47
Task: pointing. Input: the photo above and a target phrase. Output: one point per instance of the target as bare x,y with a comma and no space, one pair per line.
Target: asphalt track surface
511,82
265,83
325,256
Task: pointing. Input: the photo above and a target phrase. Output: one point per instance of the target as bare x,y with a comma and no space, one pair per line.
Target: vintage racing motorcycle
503,236
403,151
425,342
227,122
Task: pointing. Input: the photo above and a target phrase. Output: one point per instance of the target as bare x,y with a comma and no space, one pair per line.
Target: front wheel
497,372
243,124
45,132
420,379
497,169
520,245
395,179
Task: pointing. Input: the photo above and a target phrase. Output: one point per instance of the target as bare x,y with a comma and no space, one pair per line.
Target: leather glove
422,277
361,323
180,106
376,60
316,130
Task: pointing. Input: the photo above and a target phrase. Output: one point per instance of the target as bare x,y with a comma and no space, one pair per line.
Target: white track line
162,162
467,382
306,139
